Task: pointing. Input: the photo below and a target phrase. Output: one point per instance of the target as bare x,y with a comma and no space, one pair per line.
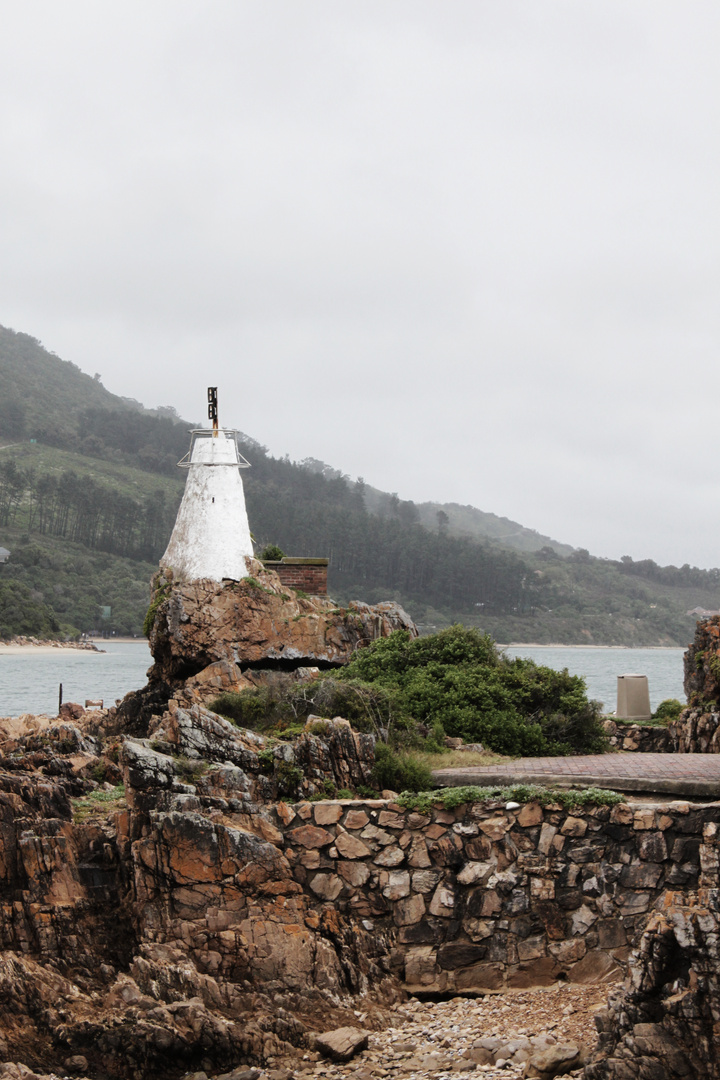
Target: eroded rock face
162,931
702,663
226,630
663,1024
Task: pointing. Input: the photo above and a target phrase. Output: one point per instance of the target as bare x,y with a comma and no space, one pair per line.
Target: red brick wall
308,575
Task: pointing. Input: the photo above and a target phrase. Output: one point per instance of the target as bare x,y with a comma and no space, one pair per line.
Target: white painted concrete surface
211,538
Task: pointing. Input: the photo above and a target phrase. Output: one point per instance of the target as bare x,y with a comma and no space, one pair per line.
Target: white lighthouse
211,537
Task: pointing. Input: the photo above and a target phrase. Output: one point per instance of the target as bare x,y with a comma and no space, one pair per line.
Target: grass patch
568,799
98,803
459,759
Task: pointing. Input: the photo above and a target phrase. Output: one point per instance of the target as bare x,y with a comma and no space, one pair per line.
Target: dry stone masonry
483,898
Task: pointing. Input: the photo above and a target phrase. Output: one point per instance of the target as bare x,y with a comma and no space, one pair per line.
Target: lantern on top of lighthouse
211,537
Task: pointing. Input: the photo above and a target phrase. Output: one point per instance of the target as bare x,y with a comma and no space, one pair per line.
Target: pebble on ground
434,1040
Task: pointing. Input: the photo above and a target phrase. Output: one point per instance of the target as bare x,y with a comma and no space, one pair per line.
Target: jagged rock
661,1024
343,1043
702,662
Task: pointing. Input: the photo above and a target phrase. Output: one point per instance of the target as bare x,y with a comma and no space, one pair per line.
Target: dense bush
459,679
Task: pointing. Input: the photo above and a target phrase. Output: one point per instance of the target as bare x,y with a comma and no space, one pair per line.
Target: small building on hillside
4,554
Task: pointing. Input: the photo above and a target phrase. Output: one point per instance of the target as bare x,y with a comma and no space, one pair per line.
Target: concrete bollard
633,697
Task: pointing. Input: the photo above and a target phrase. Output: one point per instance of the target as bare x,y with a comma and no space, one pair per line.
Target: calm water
601,667
29,682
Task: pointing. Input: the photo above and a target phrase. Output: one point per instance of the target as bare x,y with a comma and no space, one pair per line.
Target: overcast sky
467,250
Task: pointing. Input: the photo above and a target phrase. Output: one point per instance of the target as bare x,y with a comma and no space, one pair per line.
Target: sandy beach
16,648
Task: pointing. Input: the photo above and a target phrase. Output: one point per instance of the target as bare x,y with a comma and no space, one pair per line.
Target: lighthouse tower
211,537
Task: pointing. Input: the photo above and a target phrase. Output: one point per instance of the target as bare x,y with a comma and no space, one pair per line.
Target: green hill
89,490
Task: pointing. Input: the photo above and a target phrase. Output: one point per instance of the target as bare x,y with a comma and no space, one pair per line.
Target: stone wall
640,738
485,897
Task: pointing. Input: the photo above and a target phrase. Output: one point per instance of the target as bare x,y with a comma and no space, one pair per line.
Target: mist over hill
89,490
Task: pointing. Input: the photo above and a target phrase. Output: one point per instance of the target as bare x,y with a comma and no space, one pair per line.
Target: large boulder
235,626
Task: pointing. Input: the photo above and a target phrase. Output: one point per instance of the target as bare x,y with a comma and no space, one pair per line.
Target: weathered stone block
409,910
443,902
573,826
480,977
391,856
424,881
568,952
398,885
309,836
547,835
342,1044
530,814
459,955
495,828
356,819
475,872
354,873
326,886
351,847
641,875
327,813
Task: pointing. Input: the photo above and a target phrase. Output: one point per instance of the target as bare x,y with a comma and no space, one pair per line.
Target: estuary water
29,681
600,668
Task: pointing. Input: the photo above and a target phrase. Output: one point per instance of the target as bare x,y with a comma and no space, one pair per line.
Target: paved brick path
681,774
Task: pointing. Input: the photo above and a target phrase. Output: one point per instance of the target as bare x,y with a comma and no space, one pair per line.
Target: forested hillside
89,490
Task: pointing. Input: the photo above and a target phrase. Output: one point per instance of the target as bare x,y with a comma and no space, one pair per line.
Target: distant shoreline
39,648
560,645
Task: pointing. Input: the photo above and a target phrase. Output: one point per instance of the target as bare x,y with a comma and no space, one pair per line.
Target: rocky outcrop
256,623
663,1023
702,663
158,928
696,731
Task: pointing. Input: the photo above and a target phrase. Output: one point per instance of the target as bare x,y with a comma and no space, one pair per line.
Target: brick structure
309,575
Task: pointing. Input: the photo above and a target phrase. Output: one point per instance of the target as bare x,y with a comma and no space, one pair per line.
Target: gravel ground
455,1038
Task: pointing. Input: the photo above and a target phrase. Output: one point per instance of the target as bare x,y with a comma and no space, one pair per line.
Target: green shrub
668,710
22,611
319,727
399,771
327,790
457,681
288,778
272,553
248,708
